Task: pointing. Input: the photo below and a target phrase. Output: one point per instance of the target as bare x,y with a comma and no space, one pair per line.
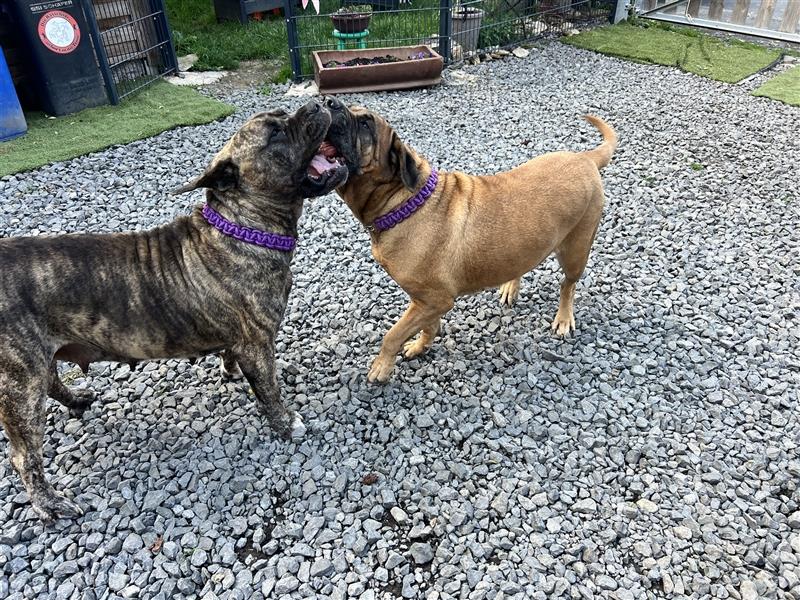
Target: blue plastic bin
12,121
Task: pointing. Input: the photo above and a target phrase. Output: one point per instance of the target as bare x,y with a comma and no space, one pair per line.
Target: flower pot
351,23
403,74
466,22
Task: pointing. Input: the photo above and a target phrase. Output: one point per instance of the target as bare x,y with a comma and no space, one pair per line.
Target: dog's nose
333,104
313,107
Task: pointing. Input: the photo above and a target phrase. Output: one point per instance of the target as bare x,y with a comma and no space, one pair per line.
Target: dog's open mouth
325,160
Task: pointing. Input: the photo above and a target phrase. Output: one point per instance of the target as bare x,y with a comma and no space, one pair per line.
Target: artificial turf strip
724,60
784,87
155,109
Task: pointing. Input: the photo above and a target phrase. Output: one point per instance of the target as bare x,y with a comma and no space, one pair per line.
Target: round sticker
59,31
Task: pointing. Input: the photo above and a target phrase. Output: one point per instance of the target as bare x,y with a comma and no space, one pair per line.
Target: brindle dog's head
275,157
370,148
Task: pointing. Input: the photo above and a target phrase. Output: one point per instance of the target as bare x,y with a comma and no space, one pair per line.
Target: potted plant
352,19
466,21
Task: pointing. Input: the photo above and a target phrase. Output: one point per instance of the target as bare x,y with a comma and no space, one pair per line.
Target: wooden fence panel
715,10
764,16
740,11
791,17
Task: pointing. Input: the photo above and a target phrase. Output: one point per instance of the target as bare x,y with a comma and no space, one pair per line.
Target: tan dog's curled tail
602,154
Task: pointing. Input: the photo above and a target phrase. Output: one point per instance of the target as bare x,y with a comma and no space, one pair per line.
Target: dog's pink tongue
320,164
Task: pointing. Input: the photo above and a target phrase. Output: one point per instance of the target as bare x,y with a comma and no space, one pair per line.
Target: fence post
445,29
291,35
165,35
100,52
621,11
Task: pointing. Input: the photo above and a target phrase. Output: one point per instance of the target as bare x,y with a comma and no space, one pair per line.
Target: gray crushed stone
654,454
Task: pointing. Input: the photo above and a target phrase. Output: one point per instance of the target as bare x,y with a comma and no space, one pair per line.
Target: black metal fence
456,30
133,43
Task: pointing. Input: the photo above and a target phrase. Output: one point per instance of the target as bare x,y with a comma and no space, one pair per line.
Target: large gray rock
421,552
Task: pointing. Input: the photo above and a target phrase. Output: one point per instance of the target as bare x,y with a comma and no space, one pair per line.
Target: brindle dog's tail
602,154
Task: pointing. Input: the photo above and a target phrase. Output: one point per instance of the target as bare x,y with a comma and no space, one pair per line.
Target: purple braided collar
273,241
407,208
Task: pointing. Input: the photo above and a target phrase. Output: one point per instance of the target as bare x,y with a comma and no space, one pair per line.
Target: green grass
701,54
151,111
220,46
784,87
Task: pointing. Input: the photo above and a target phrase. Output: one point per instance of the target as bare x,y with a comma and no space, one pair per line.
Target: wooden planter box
402,75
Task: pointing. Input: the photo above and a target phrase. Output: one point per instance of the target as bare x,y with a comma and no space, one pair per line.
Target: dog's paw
230,370
509,292
81,401
563,324
288,425
297,428
50,506
414,347
380,371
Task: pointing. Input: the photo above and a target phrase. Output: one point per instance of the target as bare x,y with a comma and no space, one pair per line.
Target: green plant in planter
354,9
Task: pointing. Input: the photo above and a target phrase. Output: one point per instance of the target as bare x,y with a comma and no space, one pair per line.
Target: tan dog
472,233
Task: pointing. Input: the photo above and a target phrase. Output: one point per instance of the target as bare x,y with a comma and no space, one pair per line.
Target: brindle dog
185,289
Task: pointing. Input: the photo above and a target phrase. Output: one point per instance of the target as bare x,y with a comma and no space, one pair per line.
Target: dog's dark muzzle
325,169
342,133
314,120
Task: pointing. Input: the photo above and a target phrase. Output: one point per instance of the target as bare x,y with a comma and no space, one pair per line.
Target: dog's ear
403,163
221,175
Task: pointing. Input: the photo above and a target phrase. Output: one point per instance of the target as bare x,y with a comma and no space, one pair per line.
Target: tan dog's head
371,150
274,157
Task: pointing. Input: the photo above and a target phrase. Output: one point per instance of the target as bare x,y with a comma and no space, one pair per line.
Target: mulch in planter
378,60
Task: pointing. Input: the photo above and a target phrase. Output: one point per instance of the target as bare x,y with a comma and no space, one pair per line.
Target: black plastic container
240,10
63,68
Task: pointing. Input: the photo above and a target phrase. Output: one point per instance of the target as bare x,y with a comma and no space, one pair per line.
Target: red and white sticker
59,32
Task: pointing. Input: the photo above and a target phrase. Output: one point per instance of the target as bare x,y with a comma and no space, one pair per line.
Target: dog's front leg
418,346
258,366
420,314
22,412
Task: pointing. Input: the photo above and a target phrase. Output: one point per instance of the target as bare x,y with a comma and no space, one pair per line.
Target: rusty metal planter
401,75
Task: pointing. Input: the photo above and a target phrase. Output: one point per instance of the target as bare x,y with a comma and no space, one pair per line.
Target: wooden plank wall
779,15
791,18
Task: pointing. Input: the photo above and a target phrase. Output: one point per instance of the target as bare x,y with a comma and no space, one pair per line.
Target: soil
378,60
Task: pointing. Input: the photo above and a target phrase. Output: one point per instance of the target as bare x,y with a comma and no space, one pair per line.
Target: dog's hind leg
22,413
77,401
258,366
417,315
573,254
509,292
424,341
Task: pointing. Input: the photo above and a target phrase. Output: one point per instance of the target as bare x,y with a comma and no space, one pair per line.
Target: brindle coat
473,232
180,290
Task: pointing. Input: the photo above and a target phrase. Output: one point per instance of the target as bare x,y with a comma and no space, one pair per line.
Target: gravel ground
654,454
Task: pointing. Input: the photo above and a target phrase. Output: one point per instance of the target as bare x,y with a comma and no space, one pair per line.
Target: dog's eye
364,124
